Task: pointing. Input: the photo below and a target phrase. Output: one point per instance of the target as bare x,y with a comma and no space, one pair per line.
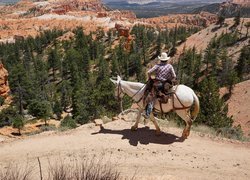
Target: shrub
1,100
40,109
6,116
14,172
231,132
68,122
83,169
18,122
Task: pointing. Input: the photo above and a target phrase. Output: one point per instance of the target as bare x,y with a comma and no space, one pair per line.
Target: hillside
31,18
140,154
201,39
239,102
238,106
226,9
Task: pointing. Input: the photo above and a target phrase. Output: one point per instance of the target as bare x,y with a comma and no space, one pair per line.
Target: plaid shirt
163,72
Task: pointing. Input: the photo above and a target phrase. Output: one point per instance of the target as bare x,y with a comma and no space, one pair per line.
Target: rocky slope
238,106
199,20
4,85
202,38
242,2
227,9
30,18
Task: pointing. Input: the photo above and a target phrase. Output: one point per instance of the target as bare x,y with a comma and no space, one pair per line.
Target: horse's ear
113,81
118,78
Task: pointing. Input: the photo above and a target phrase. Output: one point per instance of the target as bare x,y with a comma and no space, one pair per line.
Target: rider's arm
152,70
173,72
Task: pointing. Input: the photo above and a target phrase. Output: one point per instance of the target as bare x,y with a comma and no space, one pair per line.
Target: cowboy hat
164,57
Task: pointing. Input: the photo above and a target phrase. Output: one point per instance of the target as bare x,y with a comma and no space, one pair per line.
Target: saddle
159,89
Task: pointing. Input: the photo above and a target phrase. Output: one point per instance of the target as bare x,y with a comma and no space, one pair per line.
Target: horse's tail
196,109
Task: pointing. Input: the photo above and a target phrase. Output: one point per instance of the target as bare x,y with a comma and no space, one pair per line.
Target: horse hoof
133,128
184,135
158,133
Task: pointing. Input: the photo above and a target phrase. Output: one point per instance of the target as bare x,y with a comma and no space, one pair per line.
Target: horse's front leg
158,130
135,126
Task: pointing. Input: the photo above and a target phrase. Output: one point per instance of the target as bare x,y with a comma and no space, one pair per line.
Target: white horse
181,101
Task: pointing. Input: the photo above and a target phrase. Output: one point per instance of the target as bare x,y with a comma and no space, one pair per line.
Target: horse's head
119,91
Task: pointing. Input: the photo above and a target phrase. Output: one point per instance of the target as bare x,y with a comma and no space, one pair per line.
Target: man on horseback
164,73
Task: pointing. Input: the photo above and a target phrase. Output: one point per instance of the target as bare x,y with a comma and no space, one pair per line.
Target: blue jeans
149,108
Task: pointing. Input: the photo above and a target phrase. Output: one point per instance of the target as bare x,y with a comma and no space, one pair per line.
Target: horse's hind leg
135,126
185,115
152,118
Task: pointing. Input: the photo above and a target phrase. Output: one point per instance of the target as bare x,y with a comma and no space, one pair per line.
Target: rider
164,72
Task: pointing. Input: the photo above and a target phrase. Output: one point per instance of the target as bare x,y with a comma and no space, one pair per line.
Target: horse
181,100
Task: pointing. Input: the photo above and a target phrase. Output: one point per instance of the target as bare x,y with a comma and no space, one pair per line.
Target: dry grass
83,169
68,169
14,172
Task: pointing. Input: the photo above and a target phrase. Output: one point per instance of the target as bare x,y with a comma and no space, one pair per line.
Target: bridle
120,91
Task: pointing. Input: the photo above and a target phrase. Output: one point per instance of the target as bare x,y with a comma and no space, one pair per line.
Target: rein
120,91
138,92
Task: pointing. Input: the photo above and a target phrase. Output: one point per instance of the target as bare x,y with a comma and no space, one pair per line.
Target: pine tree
221,20
54,61
80,38
228,75
40,109
85,63
237,19
114,65
80,102
213,109
243,64
18,122
41,79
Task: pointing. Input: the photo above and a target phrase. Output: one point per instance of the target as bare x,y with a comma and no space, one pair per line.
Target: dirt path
141,152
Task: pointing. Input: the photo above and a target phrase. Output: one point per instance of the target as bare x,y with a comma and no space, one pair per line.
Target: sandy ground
141,152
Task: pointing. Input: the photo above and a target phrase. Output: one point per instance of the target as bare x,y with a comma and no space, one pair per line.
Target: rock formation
242,2
4,85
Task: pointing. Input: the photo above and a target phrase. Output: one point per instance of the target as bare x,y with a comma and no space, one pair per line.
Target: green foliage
243,64
221,20
231,132
2,99
188,67
40,109
81,103
18,122
68,122
54,60
213,109
74,75
228,74
7,115
57,109
237,19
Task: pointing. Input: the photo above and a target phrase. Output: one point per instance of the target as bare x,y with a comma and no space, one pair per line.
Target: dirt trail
141,152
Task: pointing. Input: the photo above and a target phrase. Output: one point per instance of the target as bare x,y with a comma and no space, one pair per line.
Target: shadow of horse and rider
144,135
